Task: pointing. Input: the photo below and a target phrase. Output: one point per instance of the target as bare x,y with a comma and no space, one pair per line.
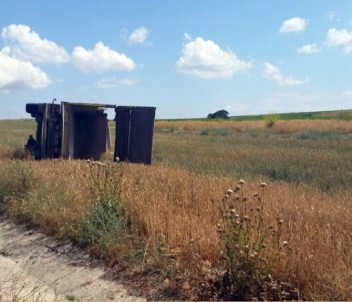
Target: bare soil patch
37,267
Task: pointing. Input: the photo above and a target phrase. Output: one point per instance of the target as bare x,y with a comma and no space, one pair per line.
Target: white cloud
205,59
101,59
114,82
347,93
16,74
273,73
293,25
139,36
187,37
331,15
297,102
124,34
309,49
25,44
341,38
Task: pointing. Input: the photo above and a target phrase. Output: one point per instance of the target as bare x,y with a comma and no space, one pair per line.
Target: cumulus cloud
342,38
293,25
101,59
15,74
273,73
139,36
309,49
25,44
114,82
205,59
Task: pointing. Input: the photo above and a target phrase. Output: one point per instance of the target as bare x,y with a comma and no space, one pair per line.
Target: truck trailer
81,131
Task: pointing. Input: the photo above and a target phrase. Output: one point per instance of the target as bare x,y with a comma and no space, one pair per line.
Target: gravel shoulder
36,267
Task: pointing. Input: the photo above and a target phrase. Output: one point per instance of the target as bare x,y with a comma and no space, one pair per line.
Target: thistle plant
105,180
245,238
106,226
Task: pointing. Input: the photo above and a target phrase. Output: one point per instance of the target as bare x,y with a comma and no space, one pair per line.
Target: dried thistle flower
246,218
226,197
263,185
241,182
229,192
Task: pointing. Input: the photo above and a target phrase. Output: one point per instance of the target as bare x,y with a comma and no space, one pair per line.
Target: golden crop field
290,218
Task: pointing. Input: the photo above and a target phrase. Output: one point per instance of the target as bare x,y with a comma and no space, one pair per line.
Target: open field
164,219
314,152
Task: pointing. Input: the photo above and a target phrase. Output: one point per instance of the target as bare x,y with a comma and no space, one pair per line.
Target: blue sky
188,58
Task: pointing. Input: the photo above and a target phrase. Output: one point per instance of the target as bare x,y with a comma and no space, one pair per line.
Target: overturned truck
81,131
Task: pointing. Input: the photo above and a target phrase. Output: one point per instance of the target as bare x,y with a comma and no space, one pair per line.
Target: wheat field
172,207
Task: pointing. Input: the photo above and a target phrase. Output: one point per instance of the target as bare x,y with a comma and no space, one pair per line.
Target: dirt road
35,267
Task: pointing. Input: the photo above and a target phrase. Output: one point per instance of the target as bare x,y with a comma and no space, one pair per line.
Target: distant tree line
220,114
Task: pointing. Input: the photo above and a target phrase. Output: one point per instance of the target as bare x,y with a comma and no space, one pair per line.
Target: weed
270,120
70,297
106,225
106,220
245,239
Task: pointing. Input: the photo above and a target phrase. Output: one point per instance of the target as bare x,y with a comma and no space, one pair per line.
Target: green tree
220,114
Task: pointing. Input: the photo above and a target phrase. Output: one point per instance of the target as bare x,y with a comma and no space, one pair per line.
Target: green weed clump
270,119
251,248
105,229
105,226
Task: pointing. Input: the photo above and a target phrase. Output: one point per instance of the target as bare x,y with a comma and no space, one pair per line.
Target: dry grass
173,205
179,210
183,209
